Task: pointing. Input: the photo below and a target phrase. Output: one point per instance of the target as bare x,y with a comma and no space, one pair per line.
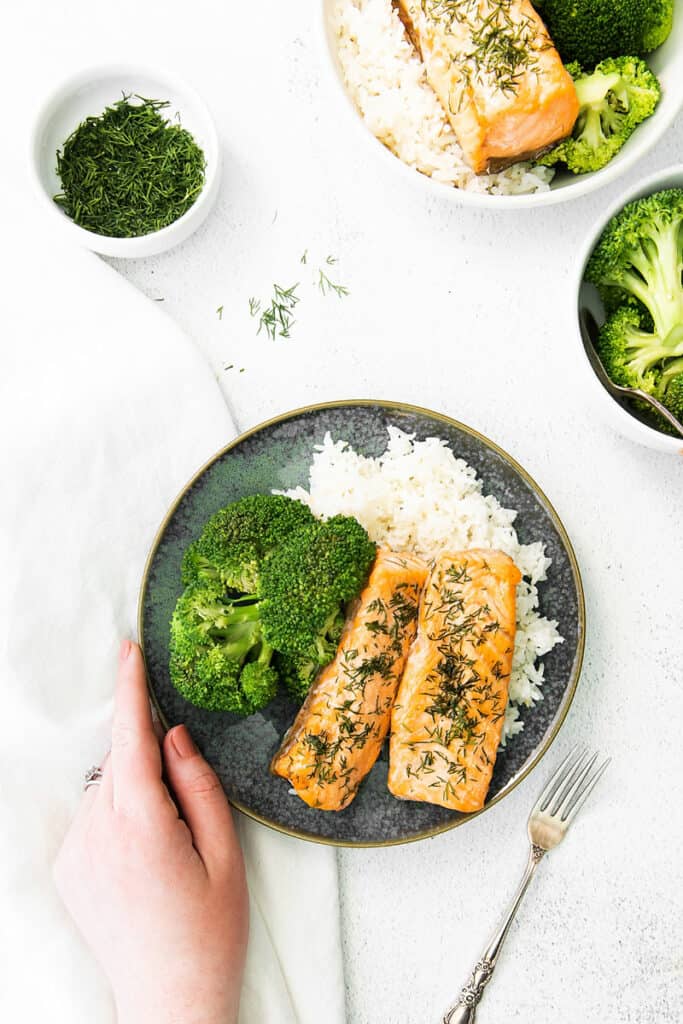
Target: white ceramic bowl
585,300
666,62
88,93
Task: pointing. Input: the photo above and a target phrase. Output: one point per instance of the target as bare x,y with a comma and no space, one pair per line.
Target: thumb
202,801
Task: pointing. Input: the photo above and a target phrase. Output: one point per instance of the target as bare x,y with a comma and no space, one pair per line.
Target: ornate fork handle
465,1010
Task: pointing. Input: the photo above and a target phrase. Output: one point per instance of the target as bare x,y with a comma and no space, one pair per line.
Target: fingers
135,754
202,801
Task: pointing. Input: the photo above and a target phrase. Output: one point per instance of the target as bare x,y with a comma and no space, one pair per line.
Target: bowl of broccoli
630,309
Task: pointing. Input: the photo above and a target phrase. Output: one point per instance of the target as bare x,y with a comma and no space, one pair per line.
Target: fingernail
125,649
183,742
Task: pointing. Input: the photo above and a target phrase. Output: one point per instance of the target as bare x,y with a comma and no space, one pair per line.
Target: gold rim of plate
581,640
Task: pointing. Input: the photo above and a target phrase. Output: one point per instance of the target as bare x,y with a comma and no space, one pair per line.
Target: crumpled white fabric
106,409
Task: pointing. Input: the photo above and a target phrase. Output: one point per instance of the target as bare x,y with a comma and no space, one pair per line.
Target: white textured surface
466,312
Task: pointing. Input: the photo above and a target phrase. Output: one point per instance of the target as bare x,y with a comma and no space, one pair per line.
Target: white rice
386,80
419,497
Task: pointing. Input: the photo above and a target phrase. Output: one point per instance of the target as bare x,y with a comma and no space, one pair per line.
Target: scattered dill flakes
229,366
277,319
326,285
128,171
220,312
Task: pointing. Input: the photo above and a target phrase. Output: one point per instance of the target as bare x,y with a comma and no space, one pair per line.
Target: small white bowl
88,93
666,62
585,300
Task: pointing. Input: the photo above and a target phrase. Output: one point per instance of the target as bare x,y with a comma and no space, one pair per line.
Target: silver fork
551,816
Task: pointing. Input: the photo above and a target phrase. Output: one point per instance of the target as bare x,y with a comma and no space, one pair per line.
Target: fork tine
568,782
574,785
557,779
580,798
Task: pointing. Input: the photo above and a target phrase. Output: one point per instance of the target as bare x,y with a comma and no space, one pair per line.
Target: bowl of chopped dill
126,159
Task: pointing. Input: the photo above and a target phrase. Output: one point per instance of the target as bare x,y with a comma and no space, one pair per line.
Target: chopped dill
464,691
128,171
501,47
326,286
277,320
220,312
362,718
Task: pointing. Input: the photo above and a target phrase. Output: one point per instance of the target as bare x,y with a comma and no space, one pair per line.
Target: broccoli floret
627,352
613,99
672,378
219,658
633,358
639,259
590,30
266,591
637,267
305,587
297,673
236,539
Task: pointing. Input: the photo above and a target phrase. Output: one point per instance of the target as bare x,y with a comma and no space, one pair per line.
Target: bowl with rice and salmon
370,617
511,103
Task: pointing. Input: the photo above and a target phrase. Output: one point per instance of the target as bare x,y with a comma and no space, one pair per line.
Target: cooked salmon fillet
339,731
450,707
497,74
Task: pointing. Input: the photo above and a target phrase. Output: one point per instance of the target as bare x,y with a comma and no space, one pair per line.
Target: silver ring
93,777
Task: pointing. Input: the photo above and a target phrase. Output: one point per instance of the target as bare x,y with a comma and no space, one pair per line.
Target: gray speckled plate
277,455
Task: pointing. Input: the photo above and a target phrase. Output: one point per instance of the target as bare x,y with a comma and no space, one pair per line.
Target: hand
161,900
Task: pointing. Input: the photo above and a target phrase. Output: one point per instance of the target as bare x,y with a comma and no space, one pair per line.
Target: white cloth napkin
105,411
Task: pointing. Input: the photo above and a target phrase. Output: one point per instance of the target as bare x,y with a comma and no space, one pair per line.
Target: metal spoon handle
623,395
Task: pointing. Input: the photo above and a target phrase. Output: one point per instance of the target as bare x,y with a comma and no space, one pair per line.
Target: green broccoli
639,258
266,588
590,30
673,400
219,658
637,267
614,99
633,359
297,672
305,587
236,539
